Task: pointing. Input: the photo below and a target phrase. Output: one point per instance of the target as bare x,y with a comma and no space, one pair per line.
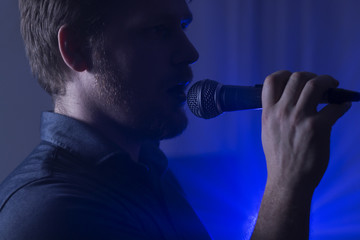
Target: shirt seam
28,183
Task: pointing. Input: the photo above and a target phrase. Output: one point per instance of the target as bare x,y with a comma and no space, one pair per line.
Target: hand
295,135
296,142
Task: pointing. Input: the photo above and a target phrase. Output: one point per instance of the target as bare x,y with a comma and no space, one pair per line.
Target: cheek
146,72
148,82
145,59
152,56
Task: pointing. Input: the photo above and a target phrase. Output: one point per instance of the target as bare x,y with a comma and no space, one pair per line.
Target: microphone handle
339,95
232,98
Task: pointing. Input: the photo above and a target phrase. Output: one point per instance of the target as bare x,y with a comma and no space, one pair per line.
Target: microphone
208,98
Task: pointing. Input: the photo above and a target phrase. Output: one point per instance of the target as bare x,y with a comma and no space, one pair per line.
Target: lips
178,92
181,80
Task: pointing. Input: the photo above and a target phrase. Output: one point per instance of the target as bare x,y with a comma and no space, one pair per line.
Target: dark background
220,161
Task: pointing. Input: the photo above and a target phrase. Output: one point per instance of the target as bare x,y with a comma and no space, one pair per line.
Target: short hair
40,23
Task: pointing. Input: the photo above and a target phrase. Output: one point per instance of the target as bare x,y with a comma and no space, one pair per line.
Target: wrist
289,191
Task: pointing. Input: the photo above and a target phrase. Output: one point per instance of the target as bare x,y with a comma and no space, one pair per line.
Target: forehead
137,11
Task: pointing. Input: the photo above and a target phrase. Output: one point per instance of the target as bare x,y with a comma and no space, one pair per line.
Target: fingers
286,86
295,135
295,86
273,87
332,112
301,93
313,92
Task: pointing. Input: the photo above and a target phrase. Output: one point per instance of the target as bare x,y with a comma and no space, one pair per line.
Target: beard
127,108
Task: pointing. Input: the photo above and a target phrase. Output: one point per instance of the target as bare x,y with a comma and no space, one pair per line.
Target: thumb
332,112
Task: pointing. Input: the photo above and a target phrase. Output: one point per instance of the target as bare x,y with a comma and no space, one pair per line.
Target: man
117,72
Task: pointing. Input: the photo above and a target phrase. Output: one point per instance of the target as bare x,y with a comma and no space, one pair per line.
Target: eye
161,30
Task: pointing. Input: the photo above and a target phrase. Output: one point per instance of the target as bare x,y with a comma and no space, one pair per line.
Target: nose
185,52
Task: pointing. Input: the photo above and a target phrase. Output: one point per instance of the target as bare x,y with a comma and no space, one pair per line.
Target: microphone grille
201,99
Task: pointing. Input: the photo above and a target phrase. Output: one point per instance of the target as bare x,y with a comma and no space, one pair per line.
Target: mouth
178,92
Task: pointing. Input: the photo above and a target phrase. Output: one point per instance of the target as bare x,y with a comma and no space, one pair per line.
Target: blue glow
222,166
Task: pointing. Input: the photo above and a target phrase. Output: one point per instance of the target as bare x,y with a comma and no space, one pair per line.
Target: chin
172,127
174,132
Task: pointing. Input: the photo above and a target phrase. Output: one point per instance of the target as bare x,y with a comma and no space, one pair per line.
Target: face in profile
144,67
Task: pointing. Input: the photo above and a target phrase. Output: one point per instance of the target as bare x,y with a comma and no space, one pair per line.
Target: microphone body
208,98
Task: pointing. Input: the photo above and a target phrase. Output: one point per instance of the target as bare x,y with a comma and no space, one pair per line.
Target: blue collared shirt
76,184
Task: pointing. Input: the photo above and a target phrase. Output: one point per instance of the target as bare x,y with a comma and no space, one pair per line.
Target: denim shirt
76,184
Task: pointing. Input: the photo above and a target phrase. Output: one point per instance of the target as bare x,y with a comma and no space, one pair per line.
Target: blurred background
220,162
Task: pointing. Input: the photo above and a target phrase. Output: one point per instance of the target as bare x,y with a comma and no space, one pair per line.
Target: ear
72,49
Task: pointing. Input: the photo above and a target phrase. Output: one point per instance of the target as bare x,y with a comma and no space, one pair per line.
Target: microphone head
202,99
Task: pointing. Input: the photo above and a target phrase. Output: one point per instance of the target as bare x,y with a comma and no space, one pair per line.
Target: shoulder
39,165
50,196
52,209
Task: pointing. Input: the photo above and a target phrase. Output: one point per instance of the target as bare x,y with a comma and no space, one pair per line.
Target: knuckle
311,125
267,114
308,75
272,116
277,76
303,76
270,80
285,72
312,84
297,75
296,119
280,115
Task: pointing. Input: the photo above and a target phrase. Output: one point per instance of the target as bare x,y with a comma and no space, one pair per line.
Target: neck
127,141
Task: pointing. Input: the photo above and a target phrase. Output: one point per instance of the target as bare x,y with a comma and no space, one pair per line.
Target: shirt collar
84,141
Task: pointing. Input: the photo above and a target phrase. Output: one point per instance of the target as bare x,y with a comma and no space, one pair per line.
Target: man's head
40,23
131,59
